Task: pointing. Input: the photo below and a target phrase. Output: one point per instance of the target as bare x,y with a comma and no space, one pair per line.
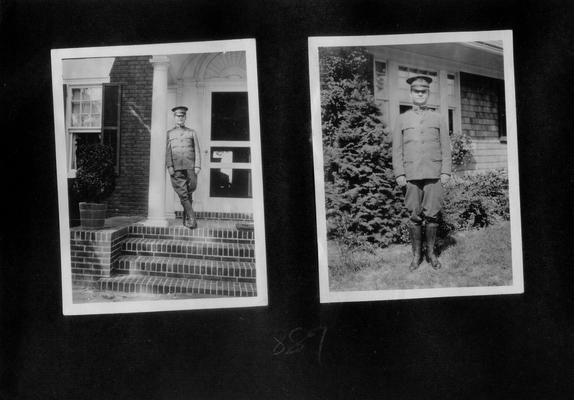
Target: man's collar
417,108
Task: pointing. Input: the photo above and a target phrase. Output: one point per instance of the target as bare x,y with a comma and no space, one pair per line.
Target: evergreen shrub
363,202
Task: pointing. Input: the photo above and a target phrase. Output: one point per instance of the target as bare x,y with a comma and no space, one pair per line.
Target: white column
157,172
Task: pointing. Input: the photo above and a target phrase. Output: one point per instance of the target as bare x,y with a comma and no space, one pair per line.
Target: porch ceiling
486,55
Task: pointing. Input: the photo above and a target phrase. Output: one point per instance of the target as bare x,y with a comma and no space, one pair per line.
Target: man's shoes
430,236
189,220
417,242
191,223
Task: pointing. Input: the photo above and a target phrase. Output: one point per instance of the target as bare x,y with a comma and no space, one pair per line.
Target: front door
228,154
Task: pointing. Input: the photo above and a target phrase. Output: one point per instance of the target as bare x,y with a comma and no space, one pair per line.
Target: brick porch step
220,216
177,267
189,249
206,231
163,285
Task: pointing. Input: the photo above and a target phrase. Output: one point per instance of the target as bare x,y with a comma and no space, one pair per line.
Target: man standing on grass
183,162
422,162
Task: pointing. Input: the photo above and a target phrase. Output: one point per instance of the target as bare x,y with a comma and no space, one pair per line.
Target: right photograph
416,166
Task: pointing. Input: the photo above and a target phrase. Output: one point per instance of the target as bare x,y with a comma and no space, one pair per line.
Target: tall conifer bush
362,200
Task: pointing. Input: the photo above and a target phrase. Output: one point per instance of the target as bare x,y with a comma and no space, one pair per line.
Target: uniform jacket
421,145
182,149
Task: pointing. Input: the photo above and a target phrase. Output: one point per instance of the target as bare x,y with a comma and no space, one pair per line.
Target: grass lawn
472,258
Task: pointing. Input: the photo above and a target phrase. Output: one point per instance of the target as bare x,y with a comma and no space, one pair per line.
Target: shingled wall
482,111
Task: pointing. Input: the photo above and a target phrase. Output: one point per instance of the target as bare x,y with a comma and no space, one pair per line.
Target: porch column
157,172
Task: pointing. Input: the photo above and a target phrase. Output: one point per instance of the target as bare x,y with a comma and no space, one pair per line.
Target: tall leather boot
417,243
190,221
430,237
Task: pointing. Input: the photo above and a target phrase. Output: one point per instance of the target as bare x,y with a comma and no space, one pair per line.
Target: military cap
420,81
179,108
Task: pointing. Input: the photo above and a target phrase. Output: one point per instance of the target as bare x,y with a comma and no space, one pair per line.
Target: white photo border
328,296
246,45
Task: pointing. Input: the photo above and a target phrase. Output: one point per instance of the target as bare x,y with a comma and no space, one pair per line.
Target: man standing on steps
183,162
422,162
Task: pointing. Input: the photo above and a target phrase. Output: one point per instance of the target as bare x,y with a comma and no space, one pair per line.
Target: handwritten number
279,346
294,341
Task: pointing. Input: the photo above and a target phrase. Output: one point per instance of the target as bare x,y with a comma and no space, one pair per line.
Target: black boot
417,243
430,237
189,220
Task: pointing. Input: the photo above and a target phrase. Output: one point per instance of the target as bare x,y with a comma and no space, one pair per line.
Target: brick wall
135,74
94,252
482,112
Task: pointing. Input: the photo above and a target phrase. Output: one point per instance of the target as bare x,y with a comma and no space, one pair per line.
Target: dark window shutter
111,119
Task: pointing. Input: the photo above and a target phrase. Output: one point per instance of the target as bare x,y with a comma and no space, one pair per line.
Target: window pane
96,107
380,67
94,93
86,107
380,79
76,93
230,154
229,116
90,120
230,183
75,114
404,108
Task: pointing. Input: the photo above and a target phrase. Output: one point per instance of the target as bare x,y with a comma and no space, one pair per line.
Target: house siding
480,120
135,74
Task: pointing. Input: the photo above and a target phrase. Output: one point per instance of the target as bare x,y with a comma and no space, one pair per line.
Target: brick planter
92,215
95,252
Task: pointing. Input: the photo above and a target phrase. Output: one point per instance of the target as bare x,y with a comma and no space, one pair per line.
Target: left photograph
159,177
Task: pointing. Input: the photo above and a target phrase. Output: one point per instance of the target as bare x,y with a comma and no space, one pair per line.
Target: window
380,79
86,107
450,84
405,107
229,116
92,116
230,154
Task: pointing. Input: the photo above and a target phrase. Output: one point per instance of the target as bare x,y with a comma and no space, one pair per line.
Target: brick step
206,231
162,285
189,249
175,267
221,216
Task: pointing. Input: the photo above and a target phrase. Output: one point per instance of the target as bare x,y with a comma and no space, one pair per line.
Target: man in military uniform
183,162
422,162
